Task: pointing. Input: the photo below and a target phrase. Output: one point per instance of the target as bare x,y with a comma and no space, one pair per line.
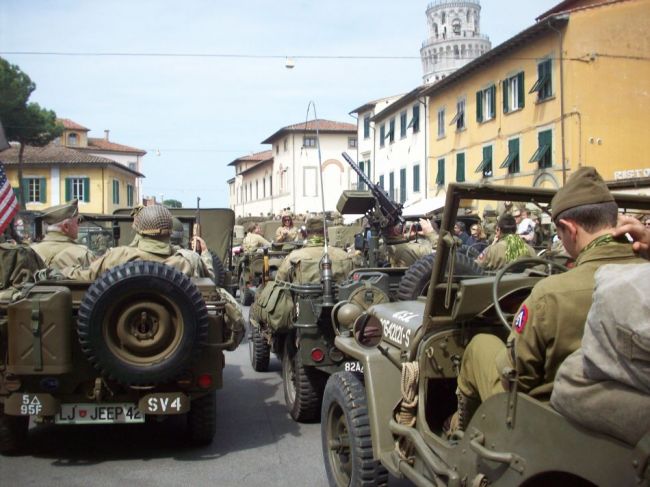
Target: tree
173,204
25,123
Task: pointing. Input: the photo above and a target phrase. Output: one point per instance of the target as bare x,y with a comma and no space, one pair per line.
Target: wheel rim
143,331
289,376
338,445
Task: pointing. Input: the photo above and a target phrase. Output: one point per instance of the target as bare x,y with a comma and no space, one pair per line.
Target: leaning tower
455,37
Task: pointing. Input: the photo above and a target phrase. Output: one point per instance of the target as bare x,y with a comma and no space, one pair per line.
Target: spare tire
142,323
415,281
219,270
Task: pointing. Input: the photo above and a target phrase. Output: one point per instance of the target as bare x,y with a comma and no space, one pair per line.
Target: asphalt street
257,444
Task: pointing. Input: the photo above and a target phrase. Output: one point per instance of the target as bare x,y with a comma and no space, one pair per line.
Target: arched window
443,18
455,25
73,139
435,30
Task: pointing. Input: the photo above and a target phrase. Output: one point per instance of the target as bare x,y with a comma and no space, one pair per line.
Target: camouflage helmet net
155,220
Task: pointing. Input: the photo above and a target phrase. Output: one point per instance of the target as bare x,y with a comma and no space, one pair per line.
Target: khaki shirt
407,253
142,248
253,241
550,323
200,265
494,256
286,234
58,251
302,265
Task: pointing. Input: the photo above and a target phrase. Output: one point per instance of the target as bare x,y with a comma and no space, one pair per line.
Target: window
416,178
277,149
309,141
366,127
543,154
402,124
391,185
133,166
455,26
513,93
129,195
257,190
512,159
415,121
391,131
286,144
116,192
73,139
365,168
34,190
382,135
381,181
310,181
263,187
440,177
544,84
352,142
460,167
271,185
485,101
441,122
485,167
402,185
459,118
77,188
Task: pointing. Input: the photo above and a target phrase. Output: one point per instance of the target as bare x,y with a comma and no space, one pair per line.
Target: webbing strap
36,333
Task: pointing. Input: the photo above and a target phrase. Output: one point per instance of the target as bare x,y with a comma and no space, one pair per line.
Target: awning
512,156
541,81
540,153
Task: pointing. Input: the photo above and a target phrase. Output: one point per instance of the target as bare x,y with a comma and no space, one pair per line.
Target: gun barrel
357,169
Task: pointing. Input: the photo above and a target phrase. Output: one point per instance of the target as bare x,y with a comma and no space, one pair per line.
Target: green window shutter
43,190
381,181
479,106
460,167
24,184
86,189
416,178
68,189
521,94
440,177
504,84
493,100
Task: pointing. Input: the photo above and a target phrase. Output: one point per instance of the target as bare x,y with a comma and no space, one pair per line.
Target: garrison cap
154,220
56,214
584,187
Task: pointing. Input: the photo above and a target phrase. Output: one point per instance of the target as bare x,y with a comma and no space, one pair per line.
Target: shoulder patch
521,319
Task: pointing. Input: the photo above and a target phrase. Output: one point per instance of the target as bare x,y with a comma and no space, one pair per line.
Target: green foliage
173,204
23,122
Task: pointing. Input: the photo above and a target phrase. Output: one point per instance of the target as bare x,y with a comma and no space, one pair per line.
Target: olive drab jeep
392,418
141,341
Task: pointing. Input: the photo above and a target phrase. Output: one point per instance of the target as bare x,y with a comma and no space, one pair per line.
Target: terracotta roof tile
57,154
69,124
255,157
106,145
326,126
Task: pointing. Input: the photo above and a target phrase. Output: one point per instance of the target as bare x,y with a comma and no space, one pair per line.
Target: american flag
8,201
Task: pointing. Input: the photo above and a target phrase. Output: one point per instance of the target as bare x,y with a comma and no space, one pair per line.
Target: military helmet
154,220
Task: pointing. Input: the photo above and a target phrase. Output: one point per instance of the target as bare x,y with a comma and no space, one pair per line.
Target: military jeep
143,341
391,418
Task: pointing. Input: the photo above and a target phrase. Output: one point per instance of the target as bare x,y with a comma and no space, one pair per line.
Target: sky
195,114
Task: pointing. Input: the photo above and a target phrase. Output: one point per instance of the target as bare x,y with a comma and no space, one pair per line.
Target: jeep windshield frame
437,314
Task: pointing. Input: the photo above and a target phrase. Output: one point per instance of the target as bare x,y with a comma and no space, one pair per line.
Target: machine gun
387,213
381,211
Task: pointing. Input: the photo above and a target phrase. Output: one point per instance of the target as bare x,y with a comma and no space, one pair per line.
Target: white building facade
288,176
455,38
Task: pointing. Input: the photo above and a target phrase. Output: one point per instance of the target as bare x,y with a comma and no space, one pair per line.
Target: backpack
18,264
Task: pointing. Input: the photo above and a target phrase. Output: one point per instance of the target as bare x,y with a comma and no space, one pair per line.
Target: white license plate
354,366
81,413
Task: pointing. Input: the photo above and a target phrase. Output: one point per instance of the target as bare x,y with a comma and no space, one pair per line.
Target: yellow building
571,90
69,167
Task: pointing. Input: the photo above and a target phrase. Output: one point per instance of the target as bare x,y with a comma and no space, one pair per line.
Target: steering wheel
529,261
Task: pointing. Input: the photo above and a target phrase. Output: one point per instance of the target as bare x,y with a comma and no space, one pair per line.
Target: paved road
257,444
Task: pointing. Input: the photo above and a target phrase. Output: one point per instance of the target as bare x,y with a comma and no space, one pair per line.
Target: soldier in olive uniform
291,269
153,225
254,239
200,259
549,324
58,249
287,232
507,246
405,253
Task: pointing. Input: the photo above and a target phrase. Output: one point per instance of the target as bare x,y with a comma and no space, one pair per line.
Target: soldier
507,246
291,269
200,259
153,225
58,249
405,253
287,232
549,324
254,239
